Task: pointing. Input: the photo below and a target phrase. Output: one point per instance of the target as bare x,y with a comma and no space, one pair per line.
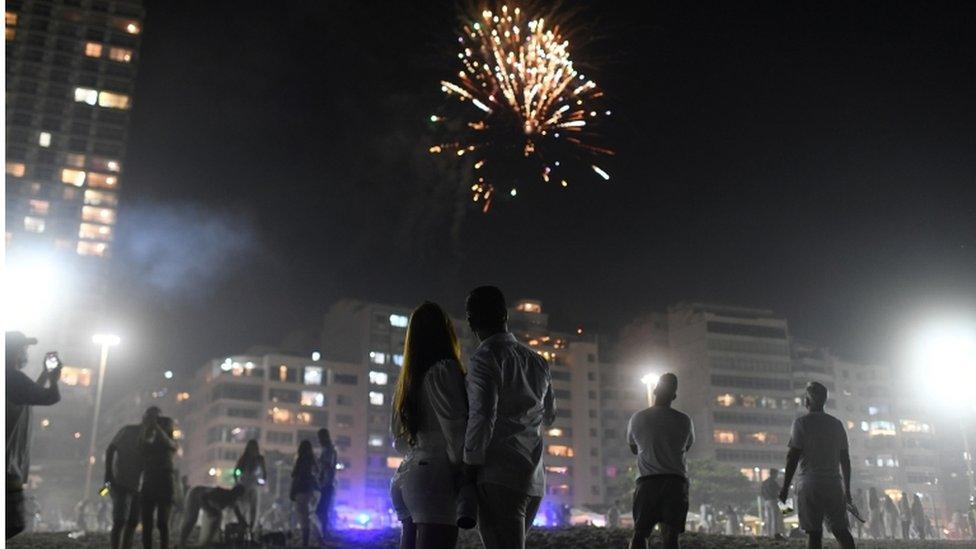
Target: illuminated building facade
70,72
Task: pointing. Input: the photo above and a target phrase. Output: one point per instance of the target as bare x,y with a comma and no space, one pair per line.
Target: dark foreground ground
584,537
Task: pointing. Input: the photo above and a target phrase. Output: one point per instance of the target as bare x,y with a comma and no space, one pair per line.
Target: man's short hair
773,471
486,307
667,385
817,393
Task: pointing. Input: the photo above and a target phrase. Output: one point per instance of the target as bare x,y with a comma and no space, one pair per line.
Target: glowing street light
944,356
105,341
650,380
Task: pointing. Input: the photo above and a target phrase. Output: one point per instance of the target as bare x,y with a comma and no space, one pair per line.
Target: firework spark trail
519,86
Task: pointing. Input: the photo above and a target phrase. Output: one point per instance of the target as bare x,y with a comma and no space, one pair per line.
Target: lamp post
105,341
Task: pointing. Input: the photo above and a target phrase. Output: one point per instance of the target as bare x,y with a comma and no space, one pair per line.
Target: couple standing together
472,437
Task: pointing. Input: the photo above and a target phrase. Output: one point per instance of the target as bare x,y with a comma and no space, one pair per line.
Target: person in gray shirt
510,399
818,445
660,436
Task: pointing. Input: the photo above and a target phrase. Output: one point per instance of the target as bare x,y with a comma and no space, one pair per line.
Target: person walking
510,399
328,461
660,437
21,394
428,426
875,514
123,471
251,472
771,516
905,516
731,522
158,448
818,445
304,483
919,521
892,524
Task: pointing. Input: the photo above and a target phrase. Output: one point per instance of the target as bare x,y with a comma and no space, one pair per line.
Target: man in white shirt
660,436
818,444
509,400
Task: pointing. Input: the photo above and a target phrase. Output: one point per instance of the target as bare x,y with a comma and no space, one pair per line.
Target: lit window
375,441
398,360
10,34
872,410
98,215
399,321
882,428
762,437
559,450
132,27
86,95
313,375
557,470
100,198
724,437
313,398
180,397
529,307
75,377
281,415
303,418
725,400
44,139
377,358
94,232
39,207
113,100
34,224
864,426
378,378
10,18
93,49
555,432
375,398
122,55
99,249
102,180
100,164
16,169
73,177
393,462
76,160
912,426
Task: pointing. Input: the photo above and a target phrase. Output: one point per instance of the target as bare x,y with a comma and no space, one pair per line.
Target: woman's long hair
305,454
430,339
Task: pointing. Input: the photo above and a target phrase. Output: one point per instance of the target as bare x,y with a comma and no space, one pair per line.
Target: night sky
819,161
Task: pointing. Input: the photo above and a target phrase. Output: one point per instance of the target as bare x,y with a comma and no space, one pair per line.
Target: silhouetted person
158,449
890,517
510,399
858,524
304,483
731,522
660,437
81,515
212,501
875,514
613,514
328,460
818,444
429,416
22,393
251,472
771,516
919,521
905,516
102,516
123,471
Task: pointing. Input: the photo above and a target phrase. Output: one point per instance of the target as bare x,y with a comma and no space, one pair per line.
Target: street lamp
650,381
105,341
944,355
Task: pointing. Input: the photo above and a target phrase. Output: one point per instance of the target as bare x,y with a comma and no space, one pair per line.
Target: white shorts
818,502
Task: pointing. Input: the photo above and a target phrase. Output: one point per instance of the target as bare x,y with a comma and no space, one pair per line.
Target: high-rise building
70,73
735,381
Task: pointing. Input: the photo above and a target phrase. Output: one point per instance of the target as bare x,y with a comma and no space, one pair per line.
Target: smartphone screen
51,361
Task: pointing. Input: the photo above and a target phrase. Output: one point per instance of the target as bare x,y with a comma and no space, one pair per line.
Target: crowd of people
472,441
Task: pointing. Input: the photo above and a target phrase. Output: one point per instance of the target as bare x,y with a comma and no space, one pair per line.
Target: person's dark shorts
660,499
15,513
157,487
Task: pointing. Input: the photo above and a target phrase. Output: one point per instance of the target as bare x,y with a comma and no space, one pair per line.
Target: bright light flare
32,285
650,379
944,357
109,340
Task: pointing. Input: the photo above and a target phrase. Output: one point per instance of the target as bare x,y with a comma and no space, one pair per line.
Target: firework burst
520,106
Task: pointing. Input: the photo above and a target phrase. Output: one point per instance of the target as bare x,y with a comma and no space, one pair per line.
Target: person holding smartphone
21,394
